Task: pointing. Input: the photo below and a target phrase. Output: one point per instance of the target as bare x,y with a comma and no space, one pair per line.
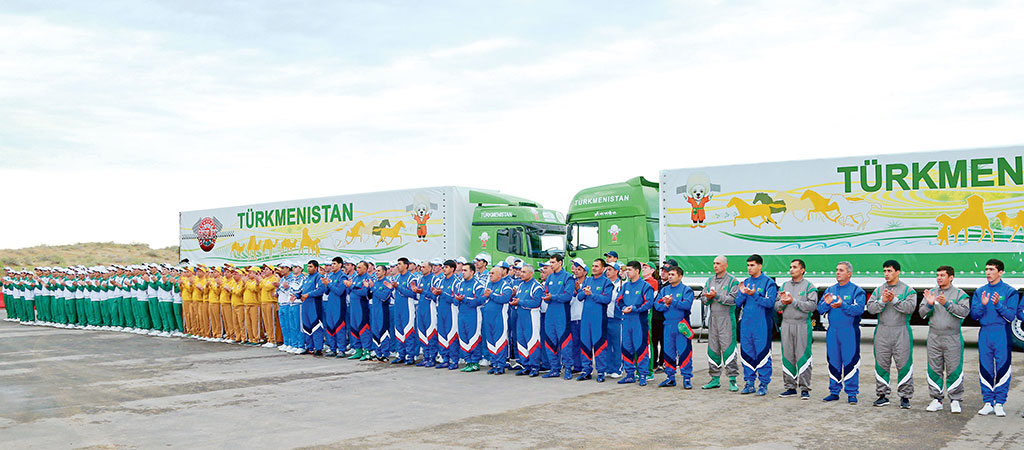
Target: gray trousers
894,344
722,346
946,366
796,354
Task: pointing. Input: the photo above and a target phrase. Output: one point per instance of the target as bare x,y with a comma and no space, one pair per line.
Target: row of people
143,299
449,311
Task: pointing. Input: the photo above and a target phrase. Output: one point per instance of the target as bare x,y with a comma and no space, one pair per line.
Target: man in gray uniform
720,293
945,307
893,302
797,301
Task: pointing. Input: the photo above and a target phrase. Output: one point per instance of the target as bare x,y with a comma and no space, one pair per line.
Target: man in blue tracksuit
843,303
675,300
469,295
426,312
312,288
511,277
404,320
380,300
757,298
635,299
447,316
560,287
595,293
527,300
545,359
359,310
579,273
994,306
496,296
334,309
613,332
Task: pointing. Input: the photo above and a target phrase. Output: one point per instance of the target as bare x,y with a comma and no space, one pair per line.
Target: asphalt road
76,388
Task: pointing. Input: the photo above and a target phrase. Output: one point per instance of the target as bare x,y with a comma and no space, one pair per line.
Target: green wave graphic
820,237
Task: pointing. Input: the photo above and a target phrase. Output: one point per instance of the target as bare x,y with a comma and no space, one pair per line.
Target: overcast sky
115,115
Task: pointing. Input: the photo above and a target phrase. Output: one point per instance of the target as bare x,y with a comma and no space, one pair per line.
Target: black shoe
318,354
522,372
904,403
788,393
882,401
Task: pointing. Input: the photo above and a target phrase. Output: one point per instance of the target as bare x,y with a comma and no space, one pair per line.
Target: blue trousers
636,353
678,351
545,359
994,361
380,329
448,332
312,327
470,334
576,351
359,324
404,323
756,352
558,336
426,328
496,333
593,343
842,345
528,337
613,357
335,327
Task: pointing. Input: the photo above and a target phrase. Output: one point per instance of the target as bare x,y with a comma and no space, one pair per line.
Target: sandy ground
74,388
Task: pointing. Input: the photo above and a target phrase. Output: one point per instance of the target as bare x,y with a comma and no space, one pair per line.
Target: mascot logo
484,237
206,230
698,191
614,231
420,209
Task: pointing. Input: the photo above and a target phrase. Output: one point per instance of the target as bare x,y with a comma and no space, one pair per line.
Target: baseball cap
612,253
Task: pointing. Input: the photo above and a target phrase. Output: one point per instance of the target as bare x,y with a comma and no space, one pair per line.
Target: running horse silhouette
389,233
821,205
748,211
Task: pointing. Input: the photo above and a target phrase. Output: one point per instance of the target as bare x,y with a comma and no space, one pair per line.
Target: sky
116,115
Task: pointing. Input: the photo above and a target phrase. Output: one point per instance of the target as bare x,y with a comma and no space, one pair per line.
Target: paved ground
71,389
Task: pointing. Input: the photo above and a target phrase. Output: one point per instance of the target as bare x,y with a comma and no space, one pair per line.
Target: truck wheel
1017,335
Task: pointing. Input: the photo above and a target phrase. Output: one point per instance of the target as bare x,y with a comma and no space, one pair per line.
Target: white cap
483,257
461,260
436,261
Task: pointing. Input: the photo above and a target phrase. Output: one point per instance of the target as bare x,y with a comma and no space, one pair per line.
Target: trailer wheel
1017,335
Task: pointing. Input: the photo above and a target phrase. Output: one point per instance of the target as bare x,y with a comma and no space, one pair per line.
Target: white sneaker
268,345
615,375
954,406
999,410
935,405
986,410
485,363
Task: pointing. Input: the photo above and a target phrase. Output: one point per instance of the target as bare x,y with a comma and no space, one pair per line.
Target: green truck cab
621,216
504,225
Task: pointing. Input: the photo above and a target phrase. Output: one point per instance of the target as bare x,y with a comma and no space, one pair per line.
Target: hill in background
87,254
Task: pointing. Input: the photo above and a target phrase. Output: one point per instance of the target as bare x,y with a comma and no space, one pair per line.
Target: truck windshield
583,235
544,243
